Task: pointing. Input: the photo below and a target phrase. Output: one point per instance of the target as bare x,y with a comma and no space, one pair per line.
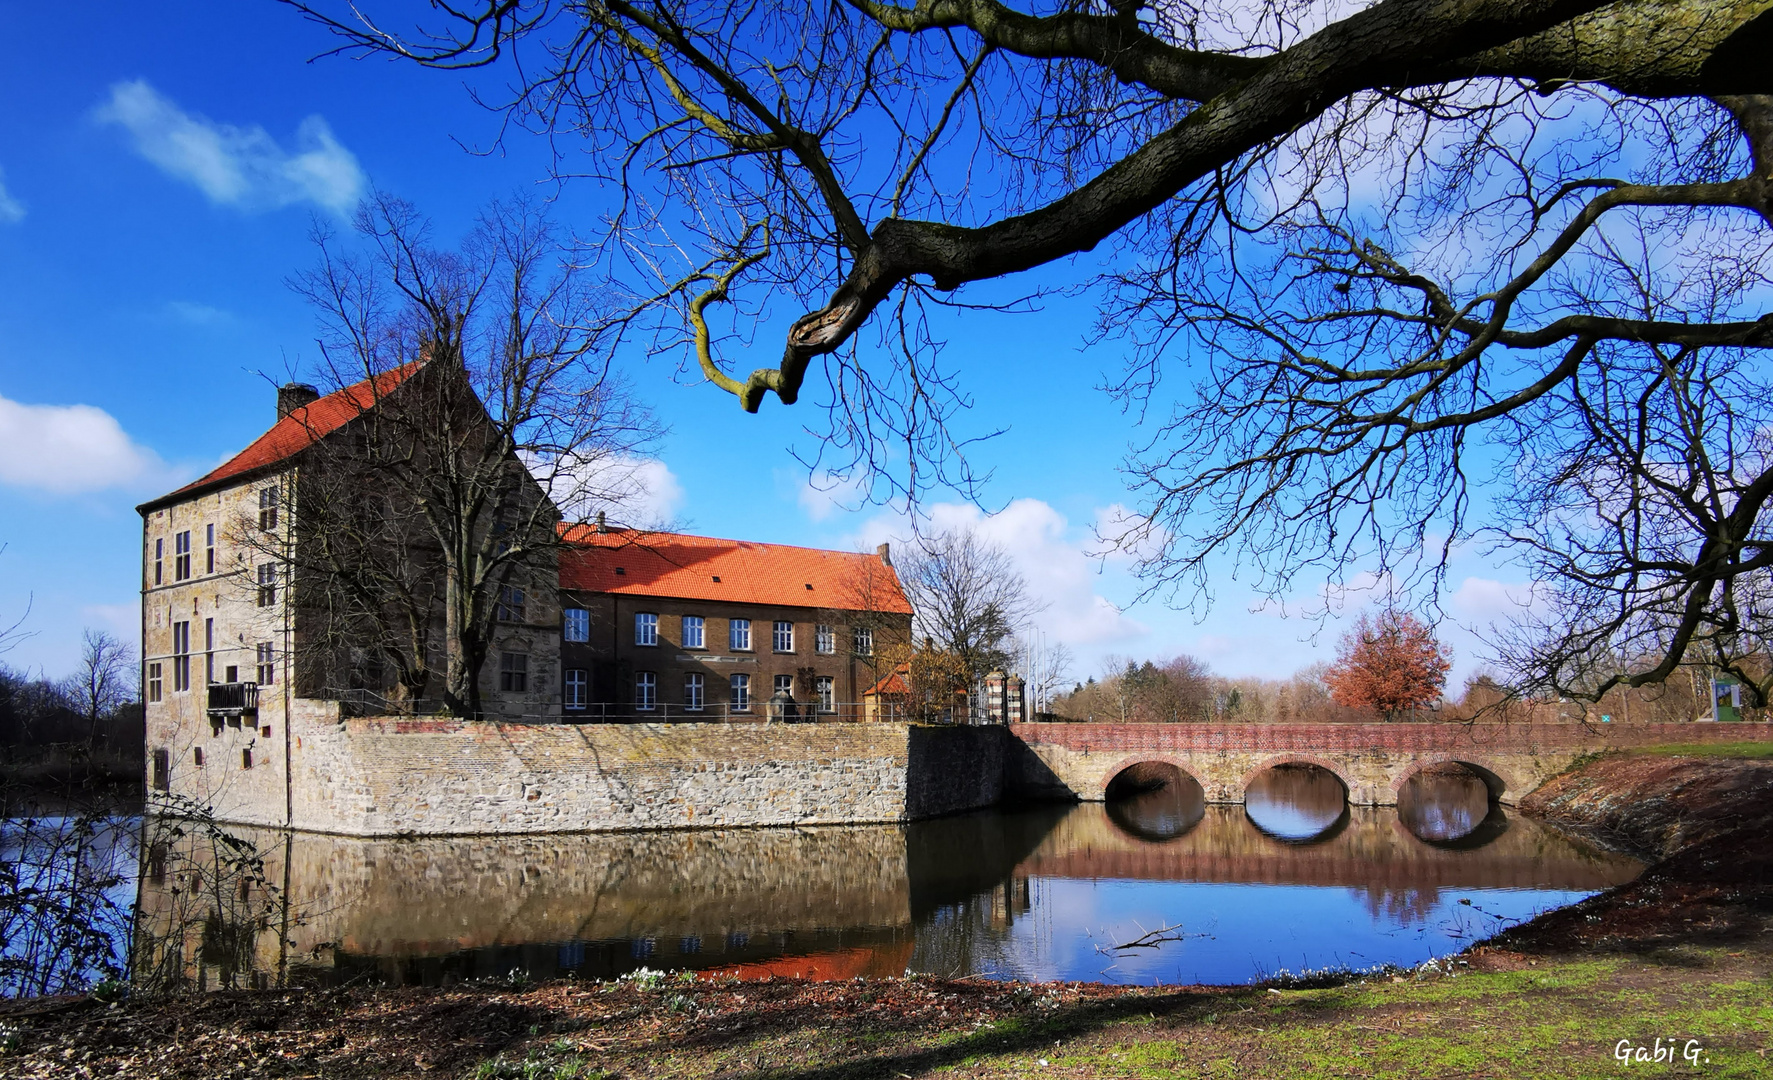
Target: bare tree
104,680
967,598
1395,246
491,411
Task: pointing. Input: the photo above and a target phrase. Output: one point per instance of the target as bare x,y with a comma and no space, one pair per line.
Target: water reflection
1039,893
1443,802
1296,802
1165,813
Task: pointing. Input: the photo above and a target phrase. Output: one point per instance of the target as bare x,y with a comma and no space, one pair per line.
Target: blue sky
161,168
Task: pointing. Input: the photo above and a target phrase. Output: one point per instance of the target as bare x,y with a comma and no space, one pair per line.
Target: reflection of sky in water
1027,893
1442,807
1294,803
1248,930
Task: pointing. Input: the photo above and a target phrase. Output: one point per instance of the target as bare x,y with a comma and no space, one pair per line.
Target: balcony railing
232,701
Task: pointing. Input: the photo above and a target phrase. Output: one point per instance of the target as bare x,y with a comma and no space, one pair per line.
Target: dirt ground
1677,963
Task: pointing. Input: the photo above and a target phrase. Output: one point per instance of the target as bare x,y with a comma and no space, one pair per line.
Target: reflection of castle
827,902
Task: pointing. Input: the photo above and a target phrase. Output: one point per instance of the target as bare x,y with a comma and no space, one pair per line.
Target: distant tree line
84,727
1389,666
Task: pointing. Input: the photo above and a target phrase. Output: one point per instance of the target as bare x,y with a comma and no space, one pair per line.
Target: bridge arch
1501,784
1179,762
1299,759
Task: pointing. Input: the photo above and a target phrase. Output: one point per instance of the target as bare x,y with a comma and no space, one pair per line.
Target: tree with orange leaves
1391,663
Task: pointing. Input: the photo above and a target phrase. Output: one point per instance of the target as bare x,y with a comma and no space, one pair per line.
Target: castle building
613,625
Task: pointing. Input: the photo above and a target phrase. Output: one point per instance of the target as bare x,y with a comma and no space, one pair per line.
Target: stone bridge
1372,760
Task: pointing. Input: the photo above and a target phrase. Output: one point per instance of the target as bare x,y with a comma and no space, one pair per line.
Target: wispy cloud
232,165
195,314
70,449
825,494
11,210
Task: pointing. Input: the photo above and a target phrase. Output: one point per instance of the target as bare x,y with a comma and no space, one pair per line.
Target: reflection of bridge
1372,851
1372,760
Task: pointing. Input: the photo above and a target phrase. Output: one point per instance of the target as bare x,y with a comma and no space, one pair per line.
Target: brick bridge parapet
1372,760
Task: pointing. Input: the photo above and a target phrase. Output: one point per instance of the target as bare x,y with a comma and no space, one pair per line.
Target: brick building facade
669,624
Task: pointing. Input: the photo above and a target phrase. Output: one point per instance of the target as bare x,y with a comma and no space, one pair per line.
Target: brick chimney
885,551
294,395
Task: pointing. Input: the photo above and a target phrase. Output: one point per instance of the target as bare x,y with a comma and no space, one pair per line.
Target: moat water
1154,888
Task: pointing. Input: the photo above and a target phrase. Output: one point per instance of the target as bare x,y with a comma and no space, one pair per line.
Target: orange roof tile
299,430
687,567
895,681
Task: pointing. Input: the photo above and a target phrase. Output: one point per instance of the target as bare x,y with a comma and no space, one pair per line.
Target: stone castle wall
391,776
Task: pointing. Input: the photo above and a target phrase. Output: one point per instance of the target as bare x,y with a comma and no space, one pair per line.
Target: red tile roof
301,429
893,682
703,568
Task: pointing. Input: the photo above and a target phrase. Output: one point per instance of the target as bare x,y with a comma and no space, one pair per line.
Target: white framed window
741,685
784,685
181,656
738,635
864,641
646,690
577,624
512,604
267,584
693,632
824,639
573,689
827,690
209,549
267,663
208,651
514,672
181,555
159,560
783,637
156,688
646,628
692,691
267,509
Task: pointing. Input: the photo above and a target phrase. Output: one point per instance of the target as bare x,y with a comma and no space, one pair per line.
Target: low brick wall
389,777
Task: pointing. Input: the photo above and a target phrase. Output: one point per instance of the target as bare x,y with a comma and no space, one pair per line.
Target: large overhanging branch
1395,43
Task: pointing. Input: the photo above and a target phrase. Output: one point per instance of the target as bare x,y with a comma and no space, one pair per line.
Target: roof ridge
722,539
311,424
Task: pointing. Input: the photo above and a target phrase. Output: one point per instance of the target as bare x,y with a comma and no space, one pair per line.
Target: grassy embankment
1684,953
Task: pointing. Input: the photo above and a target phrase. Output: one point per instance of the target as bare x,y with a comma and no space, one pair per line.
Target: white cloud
639,492
66,449
825,494
1125,534
1043,548
11,210
236,166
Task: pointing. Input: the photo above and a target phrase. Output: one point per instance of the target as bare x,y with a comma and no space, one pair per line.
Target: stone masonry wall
1371,760
390,776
